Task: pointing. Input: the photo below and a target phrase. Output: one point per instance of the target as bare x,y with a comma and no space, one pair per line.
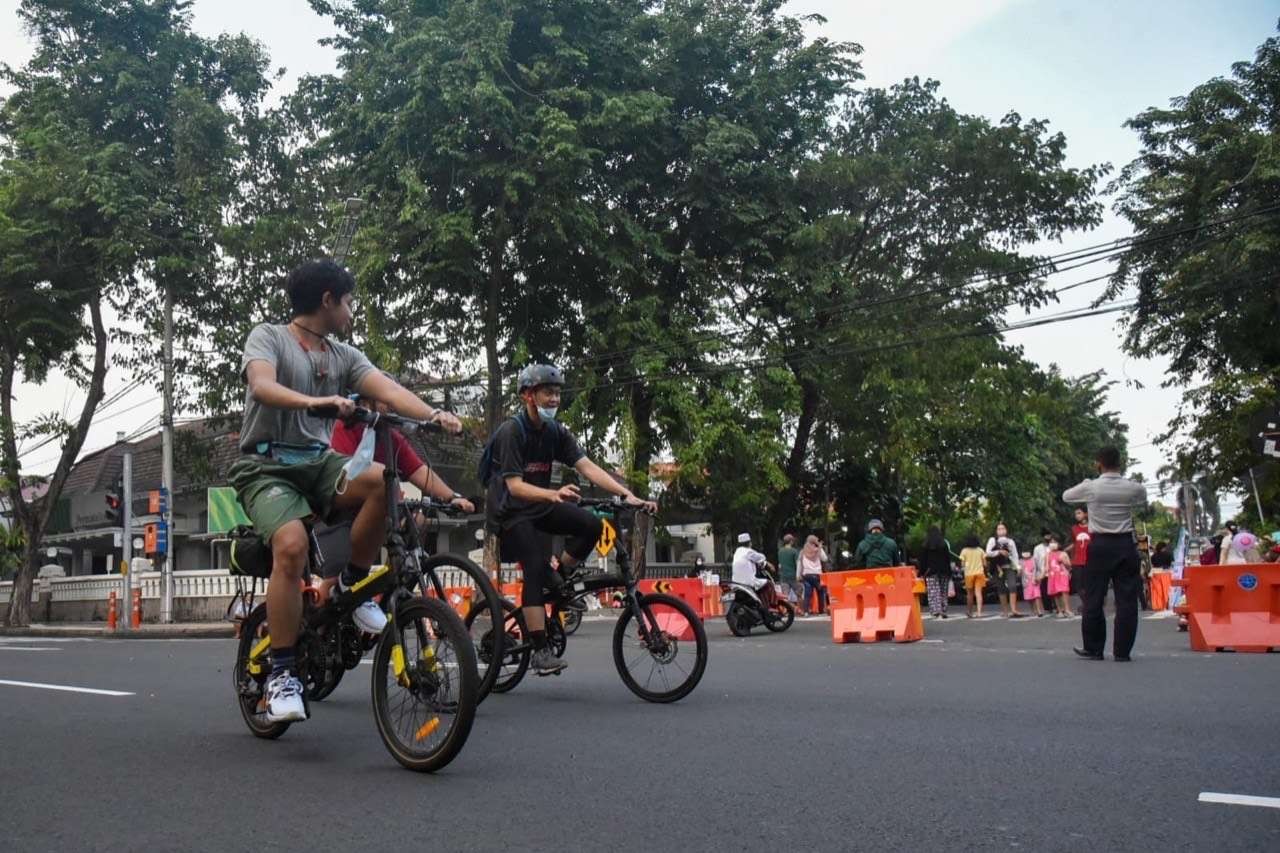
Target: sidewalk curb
212,630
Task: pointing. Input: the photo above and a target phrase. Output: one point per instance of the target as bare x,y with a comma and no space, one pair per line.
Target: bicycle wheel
780,617
571,619
516,650
250,679
450,571
424,685
661,657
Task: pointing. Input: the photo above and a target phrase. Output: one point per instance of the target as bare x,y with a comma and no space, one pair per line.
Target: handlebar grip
326,411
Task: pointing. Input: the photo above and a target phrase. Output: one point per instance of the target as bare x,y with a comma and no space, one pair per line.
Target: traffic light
115,503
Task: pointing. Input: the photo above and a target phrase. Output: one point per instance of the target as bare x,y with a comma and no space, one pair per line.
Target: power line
1086,256
992,330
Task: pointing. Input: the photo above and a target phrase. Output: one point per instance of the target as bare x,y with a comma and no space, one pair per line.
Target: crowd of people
1046,578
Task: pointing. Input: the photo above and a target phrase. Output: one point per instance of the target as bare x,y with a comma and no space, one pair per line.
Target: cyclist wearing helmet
524,509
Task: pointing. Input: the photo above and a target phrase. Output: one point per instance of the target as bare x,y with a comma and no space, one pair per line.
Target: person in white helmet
747,563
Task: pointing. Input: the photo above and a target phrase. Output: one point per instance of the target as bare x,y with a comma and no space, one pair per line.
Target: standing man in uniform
1113,556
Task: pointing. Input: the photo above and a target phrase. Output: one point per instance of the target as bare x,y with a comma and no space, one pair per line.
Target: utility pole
126,541
166,423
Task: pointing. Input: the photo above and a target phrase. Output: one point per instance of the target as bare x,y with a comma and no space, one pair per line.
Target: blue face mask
359,462
548,414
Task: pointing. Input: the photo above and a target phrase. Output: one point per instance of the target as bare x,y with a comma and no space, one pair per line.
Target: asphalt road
989,735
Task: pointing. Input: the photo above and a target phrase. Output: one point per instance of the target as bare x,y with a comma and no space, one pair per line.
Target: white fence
203,584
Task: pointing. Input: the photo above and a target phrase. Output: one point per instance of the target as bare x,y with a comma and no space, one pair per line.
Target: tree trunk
786,503
35,518
646,440
493,293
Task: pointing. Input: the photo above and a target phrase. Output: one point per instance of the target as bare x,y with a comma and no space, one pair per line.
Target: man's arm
263,387
1079,493
426,479
599,477
376,386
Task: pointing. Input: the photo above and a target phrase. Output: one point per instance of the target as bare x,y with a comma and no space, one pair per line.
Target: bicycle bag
250,554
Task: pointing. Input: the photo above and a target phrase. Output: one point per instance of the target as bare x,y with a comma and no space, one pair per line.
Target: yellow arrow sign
608,536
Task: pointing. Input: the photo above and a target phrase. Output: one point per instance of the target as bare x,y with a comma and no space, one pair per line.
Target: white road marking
1240,800
29,649
65,688
35,638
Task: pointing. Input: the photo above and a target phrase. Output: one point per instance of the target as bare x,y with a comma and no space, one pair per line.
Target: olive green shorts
274,494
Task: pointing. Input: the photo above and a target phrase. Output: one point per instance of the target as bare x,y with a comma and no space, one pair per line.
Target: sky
1086,66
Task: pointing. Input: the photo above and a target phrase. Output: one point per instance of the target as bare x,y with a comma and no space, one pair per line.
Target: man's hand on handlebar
463,504
344,407
651,507
449,422
566,494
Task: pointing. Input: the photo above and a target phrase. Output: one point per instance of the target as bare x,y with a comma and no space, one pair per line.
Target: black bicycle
425,686
659,644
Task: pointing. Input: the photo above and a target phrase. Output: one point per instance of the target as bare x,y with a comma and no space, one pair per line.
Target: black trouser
526,543
1113,558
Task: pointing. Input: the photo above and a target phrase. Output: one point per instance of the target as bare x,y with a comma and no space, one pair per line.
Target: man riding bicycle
522,507
288,474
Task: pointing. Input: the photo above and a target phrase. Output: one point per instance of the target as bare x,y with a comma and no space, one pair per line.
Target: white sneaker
369,618
284,699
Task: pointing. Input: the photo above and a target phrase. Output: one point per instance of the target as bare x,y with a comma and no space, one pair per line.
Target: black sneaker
545,663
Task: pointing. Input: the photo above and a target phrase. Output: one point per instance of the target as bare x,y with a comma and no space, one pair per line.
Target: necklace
319,366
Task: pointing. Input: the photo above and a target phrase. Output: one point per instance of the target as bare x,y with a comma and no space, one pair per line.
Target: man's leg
284,593
1093,622
1126,581
367,494
580,528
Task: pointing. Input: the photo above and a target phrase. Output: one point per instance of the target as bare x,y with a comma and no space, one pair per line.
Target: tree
907,223
118,143
1201,197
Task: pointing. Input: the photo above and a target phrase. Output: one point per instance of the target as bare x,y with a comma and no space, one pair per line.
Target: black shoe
1088,655
545,663
1123,658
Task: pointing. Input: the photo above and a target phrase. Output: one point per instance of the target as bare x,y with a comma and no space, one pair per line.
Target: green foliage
1208,294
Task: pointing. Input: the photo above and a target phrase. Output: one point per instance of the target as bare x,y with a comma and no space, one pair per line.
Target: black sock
539,639
284,658
352,575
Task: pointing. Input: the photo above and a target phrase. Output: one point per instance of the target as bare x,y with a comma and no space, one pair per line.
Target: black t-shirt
520,450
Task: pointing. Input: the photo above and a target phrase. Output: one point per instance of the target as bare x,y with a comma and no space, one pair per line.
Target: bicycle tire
492,602
785,619
250,688
699,644
517,662
432,676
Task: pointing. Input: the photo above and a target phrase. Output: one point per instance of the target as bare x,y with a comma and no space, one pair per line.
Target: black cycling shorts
526,543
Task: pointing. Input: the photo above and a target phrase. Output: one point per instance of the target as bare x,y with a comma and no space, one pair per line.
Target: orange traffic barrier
874,605
135,617
712,606
459,598
513,592
111,611
1233,608
688,590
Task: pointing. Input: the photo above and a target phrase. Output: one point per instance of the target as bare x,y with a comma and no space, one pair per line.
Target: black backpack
484,471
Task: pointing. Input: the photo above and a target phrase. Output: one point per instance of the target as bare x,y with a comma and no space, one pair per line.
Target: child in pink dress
1031,583
1059,568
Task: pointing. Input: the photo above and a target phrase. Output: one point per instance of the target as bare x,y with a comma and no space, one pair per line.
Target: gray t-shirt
337,370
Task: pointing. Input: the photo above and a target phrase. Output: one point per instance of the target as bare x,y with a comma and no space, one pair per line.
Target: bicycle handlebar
614,504
371,418
433,505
